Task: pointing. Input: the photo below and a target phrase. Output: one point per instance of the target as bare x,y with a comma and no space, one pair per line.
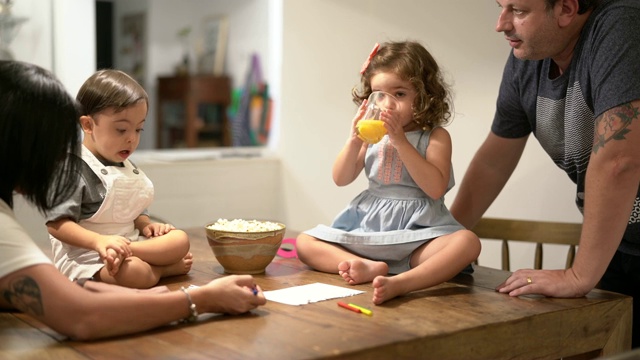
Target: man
573,80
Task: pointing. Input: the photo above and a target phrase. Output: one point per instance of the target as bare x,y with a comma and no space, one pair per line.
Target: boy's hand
112,262
157,229
119,244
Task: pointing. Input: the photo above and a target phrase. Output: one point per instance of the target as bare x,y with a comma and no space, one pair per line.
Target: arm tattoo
614,125
24,294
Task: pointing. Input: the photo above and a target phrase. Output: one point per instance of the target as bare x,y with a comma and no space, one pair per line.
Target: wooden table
461,319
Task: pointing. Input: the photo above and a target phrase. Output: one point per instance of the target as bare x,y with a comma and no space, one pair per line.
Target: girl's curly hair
410,61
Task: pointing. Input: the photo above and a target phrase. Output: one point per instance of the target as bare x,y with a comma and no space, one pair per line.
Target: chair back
538,232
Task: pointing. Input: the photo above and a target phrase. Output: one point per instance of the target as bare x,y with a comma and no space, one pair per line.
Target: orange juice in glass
370,128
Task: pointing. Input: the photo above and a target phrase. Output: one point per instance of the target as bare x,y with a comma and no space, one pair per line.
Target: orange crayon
348,307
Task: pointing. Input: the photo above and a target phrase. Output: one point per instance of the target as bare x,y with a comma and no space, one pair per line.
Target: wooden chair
538,232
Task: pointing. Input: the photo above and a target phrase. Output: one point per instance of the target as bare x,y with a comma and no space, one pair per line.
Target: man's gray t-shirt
561,112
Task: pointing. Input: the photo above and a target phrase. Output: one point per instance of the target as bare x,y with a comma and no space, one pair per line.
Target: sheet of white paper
310,293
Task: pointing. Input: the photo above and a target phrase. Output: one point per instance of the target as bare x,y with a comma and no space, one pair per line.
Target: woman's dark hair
38,128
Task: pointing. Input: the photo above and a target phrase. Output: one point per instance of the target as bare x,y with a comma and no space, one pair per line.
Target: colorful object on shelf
251,110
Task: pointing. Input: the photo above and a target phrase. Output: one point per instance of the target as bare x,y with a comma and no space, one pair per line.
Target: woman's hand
234,294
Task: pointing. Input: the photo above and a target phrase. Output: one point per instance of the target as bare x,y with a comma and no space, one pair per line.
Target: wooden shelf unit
191,91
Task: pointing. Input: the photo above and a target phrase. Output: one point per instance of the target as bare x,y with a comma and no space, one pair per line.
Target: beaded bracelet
192,308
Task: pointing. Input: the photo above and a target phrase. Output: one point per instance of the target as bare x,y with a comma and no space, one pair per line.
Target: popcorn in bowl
244,246
239,225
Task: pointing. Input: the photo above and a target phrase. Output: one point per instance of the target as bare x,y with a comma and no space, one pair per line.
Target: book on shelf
213,45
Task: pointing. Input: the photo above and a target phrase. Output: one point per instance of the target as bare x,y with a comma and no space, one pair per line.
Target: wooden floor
461,319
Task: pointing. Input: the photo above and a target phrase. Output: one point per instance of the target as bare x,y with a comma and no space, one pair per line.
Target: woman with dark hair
38,127
26,129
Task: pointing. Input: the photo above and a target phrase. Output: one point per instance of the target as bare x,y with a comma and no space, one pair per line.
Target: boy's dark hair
110,89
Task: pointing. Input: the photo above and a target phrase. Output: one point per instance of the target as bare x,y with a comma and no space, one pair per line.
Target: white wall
74,54
34,40
73,57
324,43
204,191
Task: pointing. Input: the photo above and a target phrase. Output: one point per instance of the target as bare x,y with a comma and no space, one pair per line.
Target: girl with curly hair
399,225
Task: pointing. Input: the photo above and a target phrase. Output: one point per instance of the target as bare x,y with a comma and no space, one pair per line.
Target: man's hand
554,283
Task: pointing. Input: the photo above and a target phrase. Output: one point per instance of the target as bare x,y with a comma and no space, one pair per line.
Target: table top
462,318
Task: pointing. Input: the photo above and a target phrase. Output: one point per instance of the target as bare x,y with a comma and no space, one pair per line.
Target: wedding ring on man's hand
529,281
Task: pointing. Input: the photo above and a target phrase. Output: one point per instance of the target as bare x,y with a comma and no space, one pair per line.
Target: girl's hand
354,122
394,126
157,229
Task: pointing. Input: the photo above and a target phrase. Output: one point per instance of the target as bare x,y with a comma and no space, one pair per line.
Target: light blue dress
393,217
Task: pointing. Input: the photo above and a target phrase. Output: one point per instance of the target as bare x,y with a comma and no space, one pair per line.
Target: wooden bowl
242,252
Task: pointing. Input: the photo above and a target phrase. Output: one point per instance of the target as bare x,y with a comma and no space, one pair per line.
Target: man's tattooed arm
23,293
614,125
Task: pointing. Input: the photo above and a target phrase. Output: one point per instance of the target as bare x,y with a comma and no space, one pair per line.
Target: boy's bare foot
360,271
180,268
386,288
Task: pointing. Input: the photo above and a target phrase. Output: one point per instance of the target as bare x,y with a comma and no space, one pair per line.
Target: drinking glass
371,129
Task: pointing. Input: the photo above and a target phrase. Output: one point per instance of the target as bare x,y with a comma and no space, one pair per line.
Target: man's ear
568,12
86,124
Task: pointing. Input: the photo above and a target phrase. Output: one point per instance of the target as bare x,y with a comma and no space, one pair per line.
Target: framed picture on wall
213,44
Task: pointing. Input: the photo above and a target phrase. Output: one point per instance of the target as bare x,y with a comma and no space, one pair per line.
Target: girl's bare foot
360,271
180,268
386,288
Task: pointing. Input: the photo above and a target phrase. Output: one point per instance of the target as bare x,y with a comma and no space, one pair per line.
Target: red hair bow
373,53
